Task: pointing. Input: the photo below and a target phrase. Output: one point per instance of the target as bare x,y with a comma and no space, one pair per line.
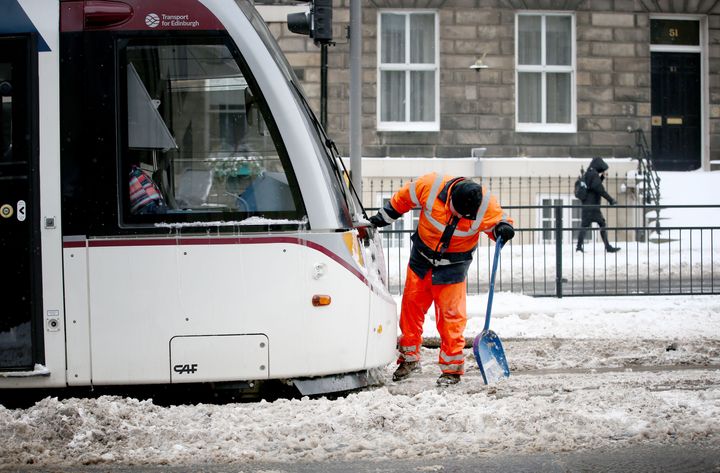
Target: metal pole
356,95
323,84
558,250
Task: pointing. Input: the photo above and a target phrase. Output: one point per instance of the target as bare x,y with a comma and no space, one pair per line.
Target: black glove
613,201
504,230
377,221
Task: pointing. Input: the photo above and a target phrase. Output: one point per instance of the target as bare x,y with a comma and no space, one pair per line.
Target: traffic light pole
323,83
317,23
356,95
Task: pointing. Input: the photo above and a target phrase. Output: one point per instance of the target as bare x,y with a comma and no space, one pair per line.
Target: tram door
19,239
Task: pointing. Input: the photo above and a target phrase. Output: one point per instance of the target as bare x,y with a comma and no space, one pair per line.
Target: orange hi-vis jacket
431,193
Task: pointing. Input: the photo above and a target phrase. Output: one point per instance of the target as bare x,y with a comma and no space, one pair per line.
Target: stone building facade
551,78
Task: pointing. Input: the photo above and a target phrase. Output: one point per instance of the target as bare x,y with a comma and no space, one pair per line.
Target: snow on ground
587,373
516,315
525,414
690,188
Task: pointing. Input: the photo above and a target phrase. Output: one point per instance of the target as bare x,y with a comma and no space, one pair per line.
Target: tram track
569,382
543,355
558,366
637,369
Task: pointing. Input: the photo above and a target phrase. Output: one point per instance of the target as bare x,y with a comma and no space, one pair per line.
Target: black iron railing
648,182
650,188
541,260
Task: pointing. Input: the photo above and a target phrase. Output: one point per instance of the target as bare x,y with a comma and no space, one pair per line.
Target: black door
19,239
676,139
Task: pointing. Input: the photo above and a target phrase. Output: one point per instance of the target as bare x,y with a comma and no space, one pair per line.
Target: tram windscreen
201,145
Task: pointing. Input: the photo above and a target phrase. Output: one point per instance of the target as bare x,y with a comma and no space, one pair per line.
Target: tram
171,210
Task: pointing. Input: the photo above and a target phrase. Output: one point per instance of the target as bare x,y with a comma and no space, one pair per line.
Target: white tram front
170,210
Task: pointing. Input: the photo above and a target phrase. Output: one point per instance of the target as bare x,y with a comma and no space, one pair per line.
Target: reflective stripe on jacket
431,193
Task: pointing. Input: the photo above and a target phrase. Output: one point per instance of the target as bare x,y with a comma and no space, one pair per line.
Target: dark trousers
588,217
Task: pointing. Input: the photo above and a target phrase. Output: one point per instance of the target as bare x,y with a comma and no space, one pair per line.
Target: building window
545,68
408,71
571,217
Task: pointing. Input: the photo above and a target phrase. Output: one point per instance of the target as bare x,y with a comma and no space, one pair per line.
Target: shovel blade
490,357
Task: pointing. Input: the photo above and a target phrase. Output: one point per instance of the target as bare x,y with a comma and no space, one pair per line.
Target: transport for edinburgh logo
152,20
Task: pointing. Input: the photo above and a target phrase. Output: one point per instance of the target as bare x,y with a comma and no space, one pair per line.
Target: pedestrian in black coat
594,177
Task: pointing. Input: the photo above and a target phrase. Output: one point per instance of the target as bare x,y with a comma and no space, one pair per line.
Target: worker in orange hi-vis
454,211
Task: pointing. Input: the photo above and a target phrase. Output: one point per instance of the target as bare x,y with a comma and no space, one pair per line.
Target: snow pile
258,221
586,373
38,370
522,415
525,414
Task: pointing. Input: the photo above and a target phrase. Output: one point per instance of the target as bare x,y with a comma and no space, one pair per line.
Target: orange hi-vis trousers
450,317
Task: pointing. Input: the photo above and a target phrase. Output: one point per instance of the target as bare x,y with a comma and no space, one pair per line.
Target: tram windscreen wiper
327,142
334,155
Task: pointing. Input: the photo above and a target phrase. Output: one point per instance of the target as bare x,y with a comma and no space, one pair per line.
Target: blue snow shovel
487,347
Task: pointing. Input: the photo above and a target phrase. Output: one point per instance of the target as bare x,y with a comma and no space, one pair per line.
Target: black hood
598,164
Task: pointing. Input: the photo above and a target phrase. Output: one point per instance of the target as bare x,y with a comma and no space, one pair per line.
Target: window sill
545,128
409,127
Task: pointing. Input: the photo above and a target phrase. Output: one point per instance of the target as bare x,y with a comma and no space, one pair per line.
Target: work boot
446,379
405,369
580,249
612,249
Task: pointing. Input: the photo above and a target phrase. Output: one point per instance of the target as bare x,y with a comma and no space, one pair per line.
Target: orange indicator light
320,300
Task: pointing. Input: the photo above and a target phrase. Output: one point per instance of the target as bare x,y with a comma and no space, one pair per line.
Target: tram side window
198,144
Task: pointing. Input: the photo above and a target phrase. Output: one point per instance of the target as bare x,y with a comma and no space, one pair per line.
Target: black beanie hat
466,196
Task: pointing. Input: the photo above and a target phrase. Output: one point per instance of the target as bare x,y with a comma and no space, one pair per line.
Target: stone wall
477,108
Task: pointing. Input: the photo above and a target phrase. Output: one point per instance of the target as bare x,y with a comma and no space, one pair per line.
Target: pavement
635,459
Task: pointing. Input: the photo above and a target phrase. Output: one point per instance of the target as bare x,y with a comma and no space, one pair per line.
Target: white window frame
544,69
568,220
408,125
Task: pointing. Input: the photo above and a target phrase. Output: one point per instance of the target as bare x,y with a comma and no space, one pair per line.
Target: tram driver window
199,139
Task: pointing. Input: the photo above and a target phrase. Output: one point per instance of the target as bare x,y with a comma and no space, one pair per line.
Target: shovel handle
498,246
